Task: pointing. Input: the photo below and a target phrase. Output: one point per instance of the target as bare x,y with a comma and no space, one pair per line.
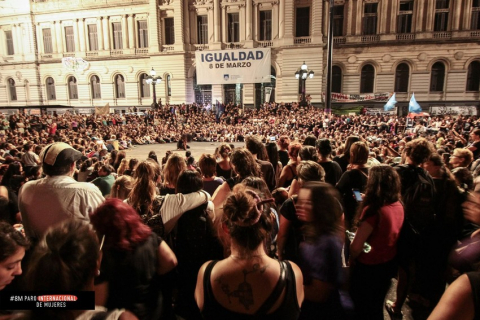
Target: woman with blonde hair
224,167
174,166
122,167
122,187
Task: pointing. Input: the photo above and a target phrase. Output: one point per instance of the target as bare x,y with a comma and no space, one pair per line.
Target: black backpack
418,197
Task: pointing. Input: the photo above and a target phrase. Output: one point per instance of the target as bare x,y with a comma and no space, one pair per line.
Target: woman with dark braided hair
248,284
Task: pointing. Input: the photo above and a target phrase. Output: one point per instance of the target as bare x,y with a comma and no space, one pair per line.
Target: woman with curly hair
380,218
174,166
248,284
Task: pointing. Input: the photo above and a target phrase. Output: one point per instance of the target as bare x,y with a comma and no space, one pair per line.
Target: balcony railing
141,50
339,40
168,48
405,36
265,43
91,54
371,38
201,47
116,52
475,34
442,35
302,40
46,56
69,55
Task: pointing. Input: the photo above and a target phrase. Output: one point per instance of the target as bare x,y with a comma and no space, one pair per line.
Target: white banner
455,110
268,93
233,66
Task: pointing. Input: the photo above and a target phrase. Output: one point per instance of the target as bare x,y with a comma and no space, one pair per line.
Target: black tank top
288,310
474,278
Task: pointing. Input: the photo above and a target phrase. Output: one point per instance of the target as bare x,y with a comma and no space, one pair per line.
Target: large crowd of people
311,219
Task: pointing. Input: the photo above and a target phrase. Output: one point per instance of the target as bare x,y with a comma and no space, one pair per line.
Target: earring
98,273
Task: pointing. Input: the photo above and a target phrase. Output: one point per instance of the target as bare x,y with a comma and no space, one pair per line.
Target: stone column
76,35
281,20
248,20
124,32
131,31
224,24
186,21
359,18
81,34
216,20
418,14
275,21
54,36
60,38
255,22
457,9
100,33
106,33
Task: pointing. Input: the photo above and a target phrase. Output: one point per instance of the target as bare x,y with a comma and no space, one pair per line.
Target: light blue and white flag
390,103
413,106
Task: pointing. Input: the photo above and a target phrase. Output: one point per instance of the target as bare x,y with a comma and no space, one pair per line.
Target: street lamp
302,74
153,80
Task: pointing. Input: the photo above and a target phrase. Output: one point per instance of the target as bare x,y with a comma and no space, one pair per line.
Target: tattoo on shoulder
244,291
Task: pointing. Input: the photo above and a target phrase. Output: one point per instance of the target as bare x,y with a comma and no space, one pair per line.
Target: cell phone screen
357,195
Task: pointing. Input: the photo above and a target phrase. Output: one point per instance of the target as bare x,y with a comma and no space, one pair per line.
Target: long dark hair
383,188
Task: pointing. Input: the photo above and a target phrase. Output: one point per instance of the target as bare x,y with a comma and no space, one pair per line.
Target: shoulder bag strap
277,291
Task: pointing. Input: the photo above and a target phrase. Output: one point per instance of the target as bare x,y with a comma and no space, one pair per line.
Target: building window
12,89
142,34
302,22
370,19
441,15
92,37
144,86
402,75
47,41
233,27
202,29
265,25
405,14
367,80
117,35
338,12
473,76
475,24
72,88
119,86
69,39
336,79
169,86
169,31
50,88
95,85
9,37
437,78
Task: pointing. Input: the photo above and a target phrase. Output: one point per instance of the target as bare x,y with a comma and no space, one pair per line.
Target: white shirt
48,201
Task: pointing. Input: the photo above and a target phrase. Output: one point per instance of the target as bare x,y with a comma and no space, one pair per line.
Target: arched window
12,89
119,86
473,76
95,86
336,79
169,86
402,75
72,88
367,80
437,79
144,86
50,89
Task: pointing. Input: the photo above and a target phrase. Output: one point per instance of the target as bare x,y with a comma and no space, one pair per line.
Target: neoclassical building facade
426,47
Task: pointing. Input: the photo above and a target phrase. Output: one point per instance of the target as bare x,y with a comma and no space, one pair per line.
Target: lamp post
302,74
154,80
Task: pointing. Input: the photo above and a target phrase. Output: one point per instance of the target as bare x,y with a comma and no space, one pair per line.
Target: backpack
418,196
